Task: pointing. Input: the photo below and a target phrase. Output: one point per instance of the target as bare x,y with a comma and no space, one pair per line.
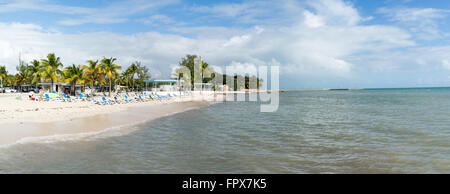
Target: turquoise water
356,131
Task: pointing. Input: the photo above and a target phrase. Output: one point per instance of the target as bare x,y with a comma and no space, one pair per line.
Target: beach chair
117,100
98,102
142,99
81,97
88,97
127,99
106,101
66,98
46,97
150,96
57,97
161,97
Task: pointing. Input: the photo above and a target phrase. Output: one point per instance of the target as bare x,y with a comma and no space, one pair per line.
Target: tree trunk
51,89
72,88
134,88
109,87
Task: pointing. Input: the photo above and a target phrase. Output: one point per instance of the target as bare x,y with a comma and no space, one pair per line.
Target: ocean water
357,131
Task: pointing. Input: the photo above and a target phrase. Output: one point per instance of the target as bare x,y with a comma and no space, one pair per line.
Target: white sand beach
22,118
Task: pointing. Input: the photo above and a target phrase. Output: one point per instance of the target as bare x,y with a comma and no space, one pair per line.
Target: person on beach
41,94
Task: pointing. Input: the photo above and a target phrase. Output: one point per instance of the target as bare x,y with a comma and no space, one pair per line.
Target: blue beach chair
80,96
128,100
65,97
161,97
46,97
106,101
142,99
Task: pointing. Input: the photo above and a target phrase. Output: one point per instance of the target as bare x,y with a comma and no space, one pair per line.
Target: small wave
114,131
85,136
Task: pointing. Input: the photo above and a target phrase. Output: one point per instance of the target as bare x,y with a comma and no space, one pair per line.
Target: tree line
104,72
235,82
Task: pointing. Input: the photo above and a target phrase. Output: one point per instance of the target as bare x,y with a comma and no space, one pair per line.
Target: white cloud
298,48
224,10
239,68
95,20
312,20
252,12
157,19
446,64
424,22
324,40
237,40
33,42
414,14
336,12
112,12
41,5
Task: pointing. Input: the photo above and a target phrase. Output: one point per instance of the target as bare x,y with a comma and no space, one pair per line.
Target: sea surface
356,131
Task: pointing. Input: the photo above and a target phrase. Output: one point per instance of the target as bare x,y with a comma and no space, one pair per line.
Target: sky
317,43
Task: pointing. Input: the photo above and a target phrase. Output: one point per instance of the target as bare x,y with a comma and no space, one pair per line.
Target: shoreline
89,122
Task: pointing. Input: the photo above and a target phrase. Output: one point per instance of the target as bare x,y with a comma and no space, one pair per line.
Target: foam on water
108,132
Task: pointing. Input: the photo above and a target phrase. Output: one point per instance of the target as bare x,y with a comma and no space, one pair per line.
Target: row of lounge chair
117,99
141,97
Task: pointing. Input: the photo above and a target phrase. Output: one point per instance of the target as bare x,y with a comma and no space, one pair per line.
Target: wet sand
11,133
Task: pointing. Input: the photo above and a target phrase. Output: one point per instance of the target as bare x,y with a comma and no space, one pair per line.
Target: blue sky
316,43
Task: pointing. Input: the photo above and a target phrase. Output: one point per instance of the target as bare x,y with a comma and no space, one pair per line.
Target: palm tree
133,70
110,69
191,62
142,75
33,70
21,75
92,72
73,74
125,78
49,68
3,74
10,80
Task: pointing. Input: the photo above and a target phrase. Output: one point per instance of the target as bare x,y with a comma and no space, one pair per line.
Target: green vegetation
234,83
110,70
74,75
49,69
3,74
189,63
92,72
108,74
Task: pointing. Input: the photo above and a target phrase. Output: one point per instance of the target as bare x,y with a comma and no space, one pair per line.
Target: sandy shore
21,111
21,119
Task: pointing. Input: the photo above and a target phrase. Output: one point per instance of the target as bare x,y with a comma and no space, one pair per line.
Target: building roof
58,83
49,83
203,84
162,81
69,84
